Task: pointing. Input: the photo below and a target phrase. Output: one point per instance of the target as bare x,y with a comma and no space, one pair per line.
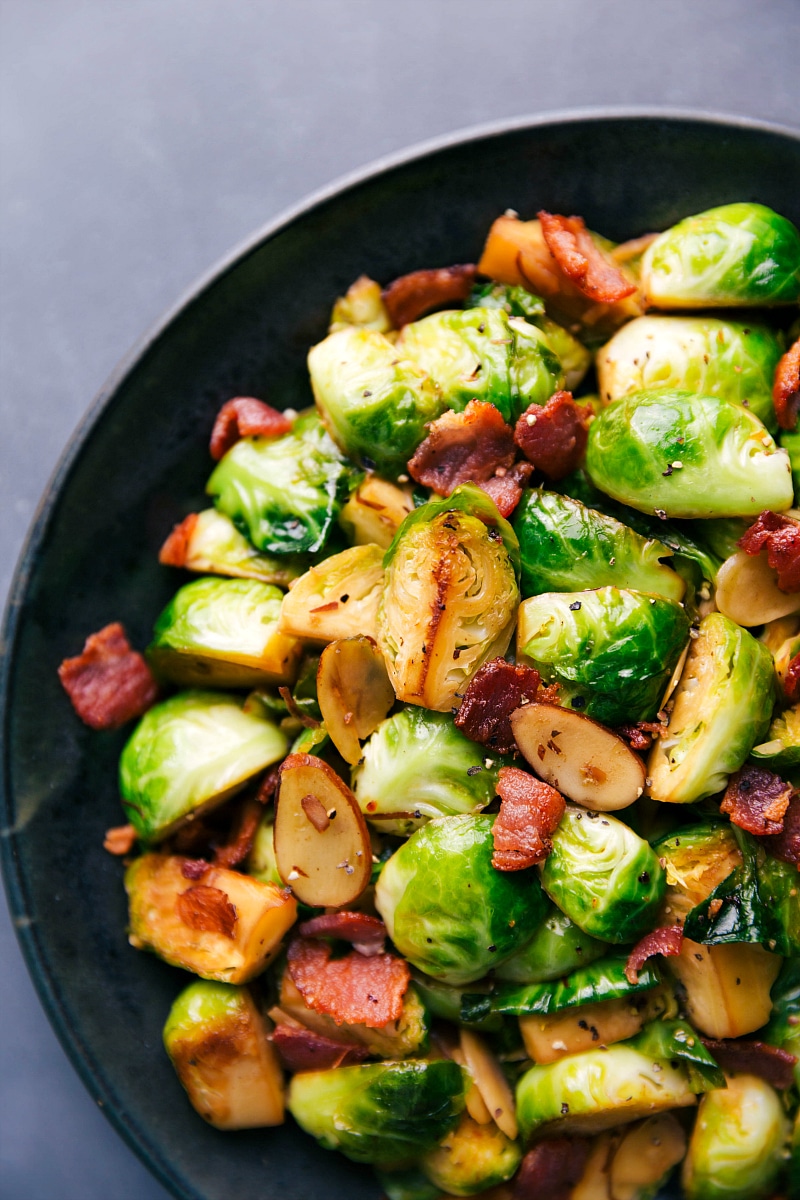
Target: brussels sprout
419,763
451,1003
261,862
447,910
699,354
677,1041
470,1158
214,546
338,598
611,650
781,749
450,597
681,455
223,633
284,493
790,442
375,512
374,401
738,254
721,536
361,305
190,753
736,1148
564,545
696,859
218,1045
600,981
387,1113
482,354
722,708
779,890
783,1029
603,876
557,948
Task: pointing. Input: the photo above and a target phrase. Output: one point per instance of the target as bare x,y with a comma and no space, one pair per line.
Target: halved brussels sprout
565,545
218,1044
470,1158
722,708
736,1148
611,650
447,910
417,764
781,747
450,597
676,454
482,354
557,948
387,1113
603,876
698,354
189,753
284,493
735,255
338,598
375,512
214,546
374,401
362,305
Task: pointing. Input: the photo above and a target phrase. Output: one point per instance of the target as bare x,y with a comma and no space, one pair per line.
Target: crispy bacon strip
639,735
786,844
301,1049
751,1057
506,486
571,245
237,849
781,537
791,682
530,811
786,388
757,800
108,683
269,785
551,1169
367,934
120,840
469,445
667,941
553,436
242,417
412,295
354,989
175,550
194,868
493,693
207,909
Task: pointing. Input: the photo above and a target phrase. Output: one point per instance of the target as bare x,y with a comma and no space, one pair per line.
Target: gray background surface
140,140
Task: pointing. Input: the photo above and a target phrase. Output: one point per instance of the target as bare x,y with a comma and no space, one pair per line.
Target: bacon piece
412,295
530,811
781,537
639,735
553,436
175,550
667,941
353,989
194,868
506,486
786,388
108,683
751,1057
756,800
120,840
786,845
242,417
237,849
366,933
493,693
551,1169
207,909
301,1049
791,682
571,245
469,445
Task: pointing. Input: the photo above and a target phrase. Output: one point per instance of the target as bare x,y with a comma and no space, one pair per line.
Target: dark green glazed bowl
139,463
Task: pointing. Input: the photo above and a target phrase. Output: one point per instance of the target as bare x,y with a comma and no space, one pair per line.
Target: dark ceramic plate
139,464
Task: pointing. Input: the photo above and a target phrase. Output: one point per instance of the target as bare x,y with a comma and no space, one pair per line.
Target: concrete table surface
141,139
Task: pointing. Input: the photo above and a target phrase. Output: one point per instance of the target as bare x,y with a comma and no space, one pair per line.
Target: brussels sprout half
676,454
447,910
215,546
557,948
471,1158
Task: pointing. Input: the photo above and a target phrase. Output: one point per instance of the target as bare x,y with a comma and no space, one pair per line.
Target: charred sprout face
448,911
450,598
676,454
557,948
735,255
471,1158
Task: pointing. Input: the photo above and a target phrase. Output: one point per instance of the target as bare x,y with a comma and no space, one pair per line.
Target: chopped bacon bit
207,909
367,934
667,941
791,681
781,536
786,845
553,436
108,683
241,842
469,445
175,550
194,868
493,693
571,245
245,417
412,295
639,735
786,389
551,1169
301,1049
753,1058
354,989
120,840
295,711
530,811
756,800
269,785
506,490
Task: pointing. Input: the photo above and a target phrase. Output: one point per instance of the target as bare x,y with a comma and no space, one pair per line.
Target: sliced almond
326,862
354,693
475,1103
582,759
645,1155
490,1082
748,592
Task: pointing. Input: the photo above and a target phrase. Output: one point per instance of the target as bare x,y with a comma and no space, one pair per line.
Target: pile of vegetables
464,775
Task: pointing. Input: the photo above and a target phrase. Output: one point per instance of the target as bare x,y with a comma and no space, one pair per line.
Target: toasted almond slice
748,592
354,692
581,758
645,1155
328,864
490,1082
